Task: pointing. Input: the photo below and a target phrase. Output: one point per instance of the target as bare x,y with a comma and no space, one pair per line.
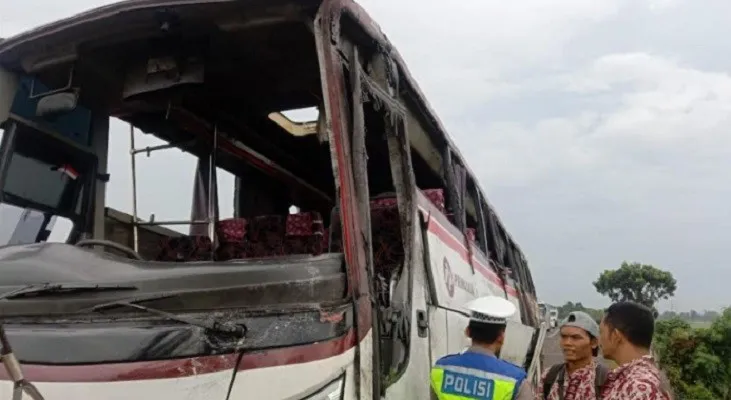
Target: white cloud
662,100
466,52
659,103
661,5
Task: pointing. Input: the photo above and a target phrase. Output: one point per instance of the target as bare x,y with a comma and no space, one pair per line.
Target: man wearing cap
580,376
477,373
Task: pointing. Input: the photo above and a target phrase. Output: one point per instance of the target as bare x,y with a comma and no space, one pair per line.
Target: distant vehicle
553,317
549,314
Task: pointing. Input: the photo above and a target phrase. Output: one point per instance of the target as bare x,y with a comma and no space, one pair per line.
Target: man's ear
594,342
616,336
467,331
501,336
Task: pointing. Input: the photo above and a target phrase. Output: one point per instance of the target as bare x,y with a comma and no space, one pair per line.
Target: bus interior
219,93
216,86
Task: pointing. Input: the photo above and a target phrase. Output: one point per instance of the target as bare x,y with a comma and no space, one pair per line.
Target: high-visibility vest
472,375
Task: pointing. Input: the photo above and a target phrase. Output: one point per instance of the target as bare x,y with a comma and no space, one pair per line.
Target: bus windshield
268,138
256,121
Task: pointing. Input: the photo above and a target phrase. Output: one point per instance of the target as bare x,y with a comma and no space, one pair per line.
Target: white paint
438,333
446,328
474,284
414,383
456,325
518,339
365,349
439,251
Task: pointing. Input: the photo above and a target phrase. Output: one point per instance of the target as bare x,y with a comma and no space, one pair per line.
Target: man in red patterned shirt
625,337
580,375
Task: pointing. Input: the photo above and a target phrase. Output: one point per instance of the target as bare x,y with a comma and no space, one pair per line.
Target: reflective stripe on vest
459,383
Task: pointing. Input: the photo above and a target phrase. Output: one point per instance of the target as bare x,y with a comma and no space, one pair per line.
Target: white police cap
491,310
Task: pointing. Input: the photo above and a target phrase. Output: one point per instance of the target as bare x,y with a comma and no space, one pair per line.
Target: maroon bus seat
436,196
471,234
265,236
185,249
304,233
232,238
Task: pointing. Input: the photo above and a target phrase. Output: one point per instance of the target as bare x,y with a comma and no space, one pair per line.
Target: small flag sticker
69,171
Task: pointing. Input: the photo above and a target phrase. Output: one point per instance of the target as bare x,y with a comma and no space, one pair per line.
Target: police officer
477,373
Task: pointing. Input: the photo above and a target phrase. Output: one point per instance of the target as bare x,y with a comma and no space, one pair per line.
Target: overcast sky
600,129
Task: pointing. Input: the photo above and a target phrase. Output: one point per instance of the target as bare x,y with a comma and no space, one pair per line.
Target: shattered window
297,122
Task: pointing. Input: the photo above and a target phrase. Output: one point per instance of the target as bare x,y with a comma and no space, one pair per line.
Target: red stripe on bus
453,243
184,367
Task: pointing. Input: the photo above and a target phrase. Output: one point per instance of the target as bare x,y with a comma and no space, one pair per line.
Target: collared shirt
578,385
525,391
637,380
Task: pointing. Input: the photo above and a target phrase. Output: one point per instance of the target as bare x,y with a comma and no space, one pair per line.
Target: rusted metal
380,96
334,317
408,84
451,181
327,35
360,170
482,225
327,31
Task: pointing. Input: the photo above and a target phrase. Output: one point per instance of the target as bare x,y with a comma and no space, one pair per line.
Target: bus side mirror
57,103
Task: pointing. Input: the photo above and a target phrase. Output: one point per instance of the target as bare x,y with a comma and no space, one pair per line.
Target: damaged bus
356,237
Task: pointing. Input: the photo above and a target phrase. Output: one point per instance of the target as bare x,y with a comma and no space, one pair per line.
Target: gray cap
580,319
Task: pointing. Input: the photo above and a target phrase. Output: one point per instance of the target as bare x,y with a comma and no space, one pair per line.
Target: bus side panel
414,383
456,324
457,281
438,333
8,87
518,339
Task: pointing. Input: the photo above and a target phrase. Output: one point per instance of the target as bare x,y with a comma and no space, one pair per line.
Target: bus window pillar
100,145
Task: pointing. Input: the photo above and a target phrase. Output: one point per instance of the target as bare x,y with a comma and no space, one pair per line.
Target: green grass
700,324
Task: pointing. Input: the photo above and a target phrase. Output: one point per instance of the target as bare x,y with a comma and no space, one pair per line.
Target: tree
696,360
640,283
567,308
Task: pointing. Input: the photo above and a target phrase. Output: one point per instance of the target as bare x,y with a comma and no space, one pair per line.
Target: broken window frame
295,128
373,78
472,193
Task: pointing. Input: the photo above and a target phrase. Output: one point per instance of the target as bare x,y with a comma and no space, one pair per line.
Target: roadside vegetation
693,348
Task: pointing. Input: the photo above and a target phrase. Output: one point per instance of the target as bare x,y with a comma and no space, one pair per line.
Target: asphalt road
551,350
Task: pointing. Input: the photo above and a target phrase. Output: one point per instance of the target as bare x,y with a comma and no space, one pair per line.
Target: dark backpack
558,372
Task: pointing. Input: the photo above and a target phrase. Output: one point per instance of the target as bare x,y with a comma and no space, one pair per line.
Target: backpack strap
551,376
601,377
560,381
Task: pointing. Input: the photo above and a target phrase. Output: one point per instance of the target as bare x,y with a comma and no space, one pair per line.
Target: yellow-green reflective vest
460,383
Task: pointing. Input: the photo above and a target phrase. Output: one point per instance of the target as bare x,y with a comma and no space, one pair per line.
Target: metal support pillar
211,204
